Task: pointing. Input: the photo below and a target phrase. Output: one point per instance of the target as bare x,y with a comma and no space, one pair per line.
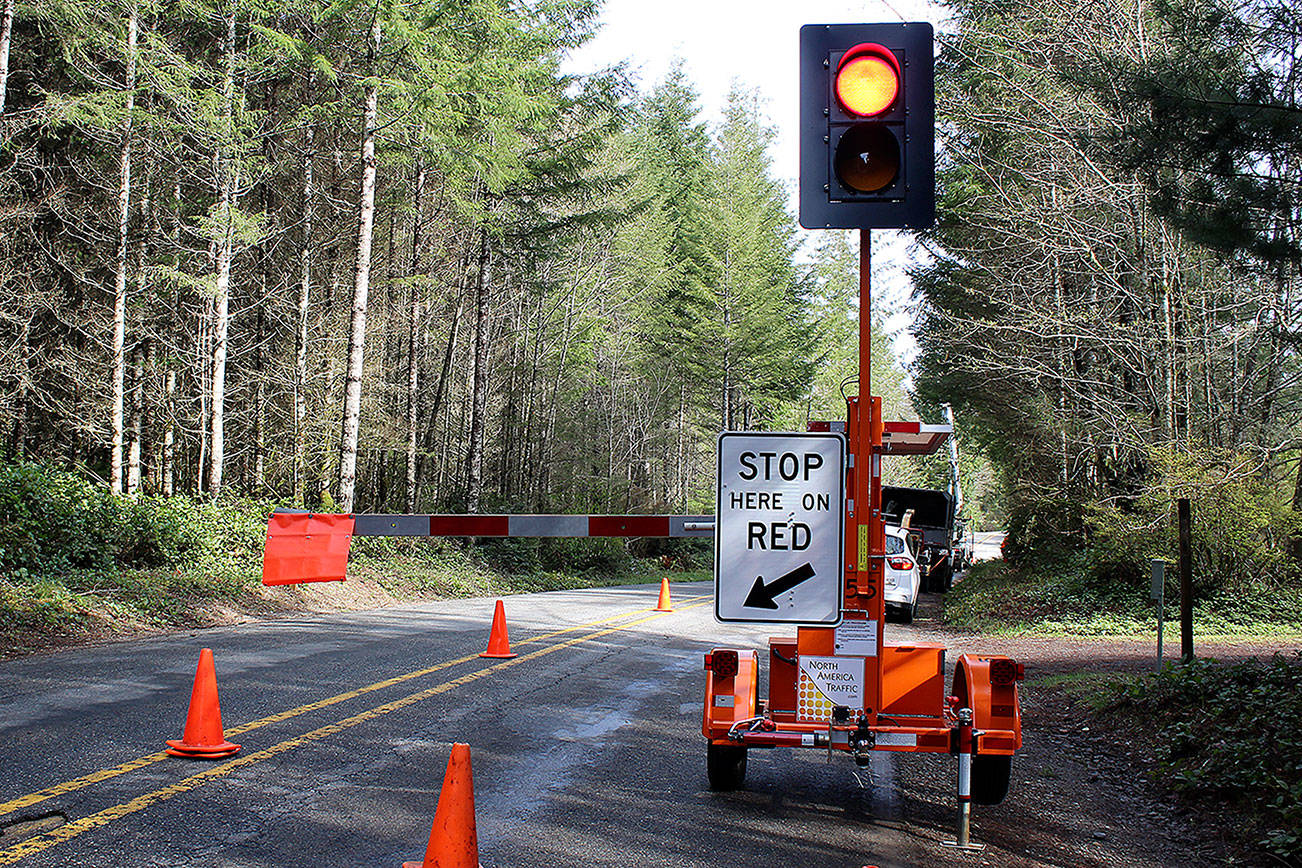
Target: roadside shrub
1242,526
53,522
606,556
1043,531
1228,738
999,597
511,554
678,554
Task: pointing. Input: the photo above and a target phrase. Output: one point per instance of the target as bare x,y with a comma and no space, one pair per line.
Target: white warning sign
826,682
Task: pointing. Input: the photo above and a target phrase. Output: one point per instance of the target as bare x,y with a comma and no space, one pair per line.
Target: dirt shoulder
104,622
1080,794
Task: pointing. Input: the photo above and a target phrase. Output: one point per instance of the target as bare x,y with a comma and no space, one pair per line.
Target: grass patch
1090,687
998,598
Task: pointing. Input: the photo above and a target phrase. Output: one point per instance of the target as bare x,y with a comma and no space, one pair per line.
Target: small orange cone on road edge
203,737
499,645
453,842
664,605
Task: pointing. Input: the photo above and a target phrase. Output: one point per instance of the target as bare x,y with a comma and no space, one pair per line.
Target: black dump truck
929,516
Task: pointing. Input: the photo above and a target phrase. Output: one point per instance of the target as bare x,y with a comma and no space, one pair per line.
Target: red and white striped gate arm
535,525
313,547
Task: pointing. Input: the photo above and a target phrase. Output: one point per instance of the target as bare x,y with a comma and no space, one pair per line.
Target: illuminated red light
867,80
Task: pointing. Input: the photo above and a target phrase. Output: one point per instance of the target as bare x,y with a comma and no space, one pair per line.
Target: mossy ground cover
1224,738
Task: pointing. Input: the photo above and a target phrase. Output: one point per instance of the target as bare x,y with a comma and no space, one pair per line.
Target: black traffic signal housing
867,126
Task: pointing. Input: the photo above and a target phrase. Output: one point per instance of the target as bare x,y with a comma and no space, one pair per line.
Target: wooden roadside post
1159,597
1186,579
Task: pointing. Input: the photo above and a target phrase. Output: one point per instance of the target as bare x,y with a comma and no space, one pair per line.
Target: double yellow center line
41,842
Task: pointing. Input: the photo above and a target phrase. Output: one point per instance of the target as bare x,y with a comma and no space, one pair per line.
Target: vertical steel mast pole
863,449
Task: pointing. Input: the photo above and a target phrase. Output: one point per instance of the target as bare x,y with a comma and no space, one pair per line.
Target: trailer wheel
726,766
990,777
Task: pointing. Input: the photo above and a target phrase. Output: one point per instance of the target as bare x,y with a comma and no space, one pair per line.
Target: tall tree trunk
445,373
413,338
361,286
153,461
136,425
260,389
203,376
441,389
222,267
1297,507
120,268
6,28
479,383
304,294
167,472
549,428
136,421
680,471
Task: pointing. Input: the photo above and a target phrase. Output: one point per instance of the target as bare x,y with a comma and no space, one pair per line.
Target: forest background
387,257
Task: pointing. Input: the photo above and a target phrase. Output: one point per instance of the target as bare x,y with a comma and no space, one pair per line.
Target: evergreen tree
759,346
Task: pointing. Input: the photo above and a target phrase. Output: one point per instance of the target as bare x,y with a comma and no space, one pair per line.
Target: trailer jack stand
966,746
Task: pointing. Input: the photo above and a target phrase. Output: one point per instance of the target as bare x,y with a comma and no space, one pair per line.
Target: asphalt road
986,543
586,748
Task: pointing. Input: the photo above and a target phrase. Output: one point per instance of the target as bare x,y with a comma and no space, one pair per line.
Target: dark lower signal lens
867,158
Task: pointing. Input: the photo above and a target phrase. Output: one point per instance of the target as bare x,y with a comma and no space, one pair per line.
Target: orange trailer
905,706
902,703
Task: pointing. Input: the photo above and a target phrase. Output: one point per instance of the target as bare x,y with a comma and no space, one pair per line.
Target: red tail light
722,663
1004,672
900,563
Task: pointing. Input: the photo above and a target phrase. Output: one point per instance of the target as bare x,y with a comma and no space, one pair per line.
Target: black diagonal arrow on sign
764,596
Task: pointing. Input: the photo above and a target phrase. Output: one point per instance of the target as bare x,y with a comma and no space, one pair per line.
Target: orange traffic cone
664,604
498,643
203,738
452,839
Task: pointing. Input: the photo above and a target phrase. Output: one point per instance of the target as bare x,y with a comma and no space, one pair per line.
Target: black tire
725,765
990,777
943,577
907,611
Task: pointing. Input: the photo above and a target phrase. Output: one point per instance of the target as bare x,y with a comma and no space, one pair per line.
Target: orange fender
996,710
730,698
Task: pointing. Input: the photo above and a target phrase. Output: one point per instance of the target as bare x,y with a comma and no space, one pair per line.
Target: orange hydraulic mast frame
865,541
867,525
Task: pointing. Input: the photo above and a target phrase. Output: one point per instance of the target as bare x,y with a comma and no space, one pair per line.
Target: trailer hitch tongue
863,740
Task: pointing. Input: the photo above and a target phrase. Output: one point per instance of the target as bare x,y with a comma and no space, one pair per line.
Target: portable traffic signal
867,126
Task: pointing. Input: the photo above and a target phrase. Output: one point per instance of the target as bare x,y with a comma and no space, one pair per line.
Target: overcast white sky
756,43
